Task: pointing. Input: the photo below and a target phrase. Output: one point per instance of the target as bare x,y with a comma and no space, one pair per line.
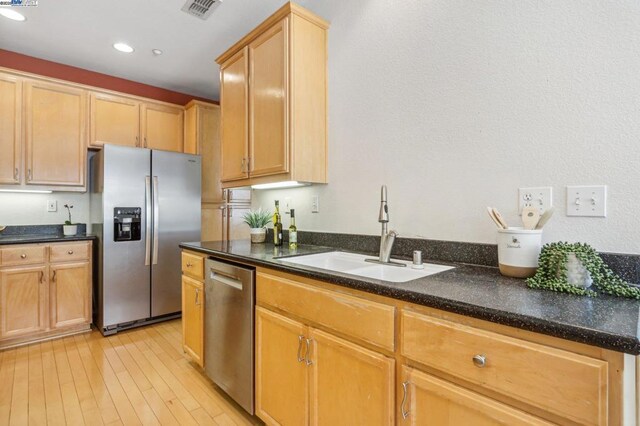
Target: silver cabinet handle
23,256
137,142
198,297
15,174
307,360
244,160
28,174
479,361
145,142
70,252
300,339
405,394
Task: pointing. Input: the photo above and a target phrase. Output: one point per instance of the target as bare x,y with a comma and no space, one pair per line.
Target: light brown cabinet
55,134
45,290
305,375
274,101
10,129
430,401
22,301
451,369
193,305
162,127
70,294
114,120
193,319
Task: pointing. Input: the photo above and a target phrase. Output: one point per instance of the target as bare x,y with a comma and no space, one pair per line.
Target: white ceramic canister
518,251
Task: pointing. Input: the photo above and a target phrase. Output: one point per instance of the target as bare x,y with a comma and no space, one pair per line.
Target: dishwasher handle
226,280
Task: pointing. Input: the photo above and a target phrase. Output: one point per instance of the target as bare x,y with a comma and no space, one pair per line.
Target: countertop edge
48,239
619,343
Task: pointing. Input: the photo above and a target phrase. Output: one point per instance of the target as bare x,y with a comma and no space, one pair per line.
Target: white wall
31,209
456,104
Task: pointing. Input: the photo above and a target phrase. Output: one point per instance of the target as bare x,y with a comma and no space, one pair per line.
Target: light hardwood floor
136,377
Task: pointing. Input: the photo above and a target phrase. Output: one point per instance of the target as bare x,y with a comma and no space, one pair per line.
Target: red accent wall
20,62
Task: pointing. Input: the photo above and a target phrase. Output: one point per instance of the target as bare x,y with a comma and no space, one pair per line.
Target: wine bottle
293,232
277,226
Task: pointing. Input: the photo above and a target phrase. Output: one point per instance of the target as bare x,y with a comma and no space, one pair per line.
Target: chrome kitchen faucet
388,237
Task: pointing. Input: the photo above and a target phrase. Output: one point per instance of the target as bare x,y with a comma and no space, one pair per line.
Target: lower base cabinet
70,294
22,301
307,376
430,401
193,319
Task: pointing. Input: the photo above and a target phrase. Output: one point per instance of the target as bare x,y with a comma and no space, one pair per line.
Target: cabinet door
10,136
281,372
234,117
22,301
162,127
268,105
114,120
192,319
70,294
208,124
428,400
349,385
213,222
238,230
55,131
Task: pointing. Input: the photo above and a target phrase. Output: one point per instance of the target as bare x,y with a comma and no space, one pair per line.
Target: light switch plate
590,201
52,206
540,197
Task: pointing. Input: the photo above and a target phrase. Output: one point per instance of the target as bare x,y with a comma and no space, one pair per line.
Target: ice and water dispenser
127,224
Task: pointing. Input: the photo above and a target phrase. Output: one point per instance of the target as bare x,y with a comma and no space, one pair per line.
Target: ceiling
81,34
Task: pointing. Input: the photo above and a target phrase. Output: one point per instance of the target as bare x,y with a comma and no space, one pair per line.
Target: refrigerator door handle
156,210
147,199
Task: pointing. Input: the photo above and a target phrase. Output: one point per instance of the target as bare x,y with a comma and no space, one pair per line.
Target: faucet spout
386,245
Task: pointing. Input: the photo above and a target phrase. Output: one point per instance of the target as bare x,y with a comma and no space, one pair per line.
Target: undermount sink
354,264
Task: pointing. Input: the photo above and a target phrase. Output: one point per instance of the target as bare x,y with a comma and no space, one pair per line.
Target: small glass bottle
277,226
293,232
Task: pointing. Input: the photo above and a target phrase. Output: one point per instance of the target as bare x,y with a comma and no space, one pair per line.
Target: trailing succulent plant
257,218
552,272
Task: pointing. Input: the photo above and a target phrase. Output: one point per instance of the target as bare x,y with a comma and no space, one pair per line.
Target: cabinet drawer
370,321
24,255
564,383
69,252
193,265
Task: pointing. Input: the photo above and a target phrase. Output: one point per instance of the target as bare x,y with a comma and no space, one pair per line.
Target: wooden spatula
530,217
499,218
493,218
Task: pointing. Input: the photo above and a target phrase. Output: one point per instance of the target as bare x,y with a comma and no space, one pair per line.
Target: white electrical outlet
52,206
588,201
539,197
315,204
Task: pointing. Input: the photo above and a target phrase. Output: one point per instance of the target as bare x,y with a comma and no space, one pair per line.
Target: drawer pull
405,393
23,256
306,355
300,339
53,278
189,265
479,361
70,252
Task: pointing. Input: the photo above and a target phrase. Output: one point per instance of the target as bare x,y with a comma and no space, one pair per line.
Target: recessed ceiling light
156,52
123,47
11,14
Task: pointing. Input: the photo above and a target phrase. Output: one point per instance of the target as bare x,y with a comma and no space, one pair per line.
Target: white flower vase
577,273
69,230
258,235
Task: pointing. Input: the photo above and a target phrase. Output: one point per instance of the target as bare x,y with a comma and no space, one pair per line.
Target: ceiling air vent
200,8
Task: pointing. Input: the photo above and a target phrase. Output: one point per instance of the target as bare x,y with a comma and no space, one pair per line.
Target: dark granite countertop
42,238
476,291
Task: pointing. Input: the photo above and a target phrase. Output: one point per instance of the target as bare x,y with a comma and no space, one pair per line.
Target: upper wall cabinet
55,134
162,127
273,88
114,120
130,122
10,132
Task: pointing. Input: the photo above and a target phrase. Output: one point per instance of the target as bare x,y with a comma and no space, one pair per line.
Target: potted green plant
257,221
573,268
69,229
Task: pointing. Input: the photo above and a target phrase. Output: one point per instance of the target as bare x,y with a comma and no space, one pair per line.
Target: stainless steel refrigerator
143,204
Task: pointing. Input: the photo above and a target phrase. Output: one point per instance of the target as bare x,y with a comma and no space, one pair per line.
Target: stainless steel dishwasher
229,319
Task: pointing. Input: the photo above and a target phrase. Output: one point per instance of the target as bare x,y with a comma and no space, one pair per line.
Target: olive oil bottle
277,226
